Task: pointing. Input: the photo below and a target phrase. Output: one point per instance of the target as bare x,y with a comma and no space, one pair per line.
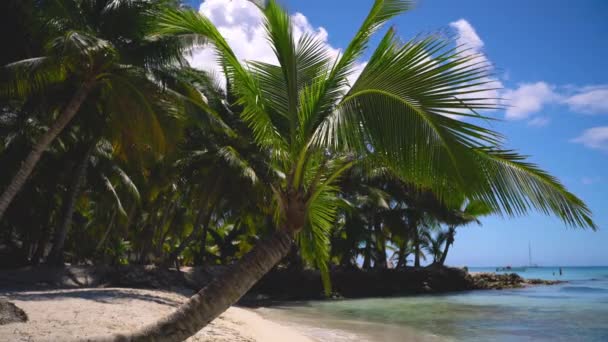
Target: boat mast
529,254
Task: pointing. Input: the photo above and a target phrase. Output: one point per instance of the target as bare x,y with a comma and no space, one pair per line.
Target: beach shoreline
78,314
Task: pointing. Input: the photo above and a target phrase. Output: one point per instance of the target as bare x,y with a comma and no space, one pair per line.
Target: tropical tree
434,243
78,181
316,127
468,212
91,55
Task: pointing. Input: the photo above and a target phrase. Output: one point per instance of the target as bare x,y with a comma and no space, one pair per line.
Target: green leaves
379,14
515,187
396,111
30,76
409,114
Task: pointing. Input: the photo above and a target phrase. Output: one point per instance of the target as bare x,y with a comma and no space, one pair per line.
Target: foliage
184,168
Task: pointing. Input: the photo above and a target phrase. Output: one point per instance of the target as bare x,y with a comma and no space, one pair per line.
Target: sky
550,59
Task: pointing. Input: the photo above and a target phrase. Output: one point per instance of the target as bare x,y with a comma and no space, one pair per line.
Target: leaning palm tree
92,55
317,127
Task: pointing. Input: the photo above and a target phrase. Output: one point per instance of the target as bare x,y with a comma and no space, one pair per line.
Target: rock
10,313
542,282
505,281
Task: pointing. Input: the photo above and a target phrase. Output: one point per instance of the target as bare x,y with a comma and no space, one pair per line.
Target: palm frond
111,189
379,14
234,159
515,186
396,111
30,76
127,182
314,238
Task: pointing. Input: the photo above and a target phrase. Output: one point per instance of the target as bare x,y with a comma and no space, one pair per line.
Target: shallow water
574,311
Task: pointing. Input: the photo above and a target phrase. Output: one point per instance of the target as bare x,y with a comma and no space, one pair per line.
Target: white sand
66,315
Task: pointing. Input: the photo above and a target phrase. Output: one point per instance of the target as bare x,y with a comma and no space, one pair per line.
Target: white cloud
467,36
589,100
241,24
527,99
540,121
469,43
530,98
595,138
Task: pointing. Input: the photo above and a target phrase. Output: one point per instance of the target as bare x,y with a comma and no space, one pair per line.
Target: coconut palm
434,243
78,181
317,127
468,212
91,54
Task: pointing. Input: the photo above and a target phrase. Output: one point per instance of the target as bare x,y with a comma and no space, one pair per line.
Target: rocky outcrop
486,281
10,313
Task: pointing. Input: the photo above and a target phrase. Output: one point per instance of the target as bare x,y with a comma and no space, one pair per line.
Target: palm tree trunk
448,242
107,232
367,258
204,241
416,247
216,297
41,246
380,246
401,262
42,145
56,255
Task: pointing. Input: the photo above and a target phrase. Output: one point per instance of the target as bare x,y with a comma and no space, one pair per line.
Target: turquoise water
573,311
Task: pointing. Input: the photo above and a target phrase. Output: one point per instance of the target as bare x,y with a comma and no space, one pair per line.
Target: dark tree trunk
449,241
346,260
159,234
204,242
416,247
216,297
367,258
41,246
295,259
102,242
42,145
380,246
401,261
56,255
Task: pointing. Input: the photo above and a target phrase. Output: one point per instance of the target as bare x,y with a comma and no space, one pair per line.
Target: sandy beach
70,315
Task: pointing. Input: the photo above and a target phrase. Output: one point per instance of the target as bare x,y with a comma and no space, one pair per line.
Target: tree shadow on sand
107,296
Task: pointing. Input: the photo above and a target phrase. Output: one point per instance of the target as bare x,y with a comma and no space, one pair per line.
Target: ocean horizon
576,310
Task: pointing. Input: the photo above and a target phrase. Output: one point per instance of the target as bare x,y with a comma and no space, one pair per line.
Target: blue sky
551,58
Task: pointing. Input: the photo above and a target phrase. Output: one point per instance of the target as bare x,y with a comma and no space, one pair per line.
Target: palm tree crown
396,113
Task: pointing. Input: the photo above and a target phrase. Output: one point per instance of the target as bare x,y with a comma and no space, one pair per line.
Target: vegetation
115,151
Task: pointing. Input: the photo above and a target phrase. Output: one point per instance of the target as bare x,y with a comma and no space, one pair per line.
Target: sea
576,310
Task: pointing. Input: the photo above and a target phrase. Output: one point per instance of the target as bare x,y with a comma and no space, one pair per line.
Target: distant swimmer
560,271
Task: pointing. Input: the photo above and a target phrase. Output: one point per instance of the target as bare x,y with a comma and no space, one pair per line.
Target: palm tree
434,243
78,181
467,213
91,54
317,127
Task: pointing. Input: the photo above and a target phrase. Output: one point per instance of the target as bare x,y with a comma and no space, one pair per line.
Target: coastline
81,303
78,314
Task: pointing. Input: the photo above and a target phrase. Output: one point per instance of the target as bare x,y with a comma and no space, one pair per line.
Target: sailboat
530,264
521,268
